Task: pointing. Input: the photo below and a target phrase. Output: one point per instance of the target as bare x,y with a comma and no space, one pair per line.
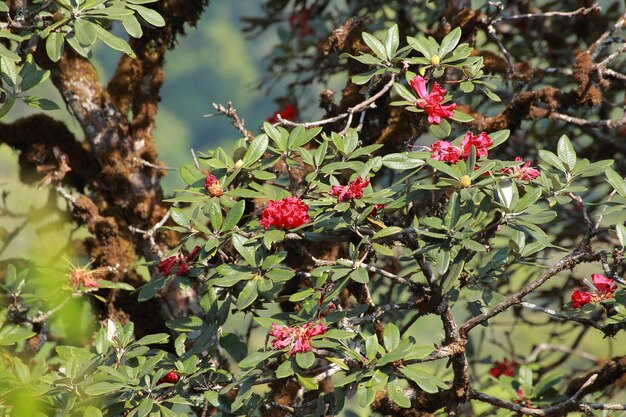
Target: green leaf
85,32
40,103
256,358
401,161
443,167
387,231
149,15
132,26
255,150
442,130
113,41
151,288
616,181
424,380
391,337
31,74
395,391
9,70
551,159
234,346
285,370
403,92
375,45
371,347
191,175
421,44
54,46
248,295
566,152
234,215
179,217
100,388
6,53
392,40
92,411
153,339
449,42
215,213
454,272
145,407
246,252
360,275
365,77
305,360
461,117
499,137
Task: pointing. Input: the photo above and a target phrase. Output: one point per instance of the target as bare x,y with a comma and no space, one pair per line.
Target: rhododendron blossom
580,298
297,338
445,151
431,102
524,172
481,142
287,213
353,190
179,260
288,112
505,367
82,276
212,186
604,289
170,378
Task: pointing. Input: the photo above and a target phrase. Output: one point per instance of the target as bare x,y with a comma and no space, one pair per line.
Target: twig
579,12
349,113
230,112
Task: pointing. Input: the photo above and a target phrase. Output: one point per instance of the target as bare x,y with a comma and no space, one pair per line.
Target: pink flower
287,213
166,265
288,112
524,172
481,142
580,298
431,102
353,190
505,367
445,152
298,338
212,186
603,284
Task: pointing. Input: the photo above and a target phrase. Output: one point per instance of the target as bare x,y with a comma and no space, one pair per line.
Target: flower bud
465,181
435,60
212,186
238,164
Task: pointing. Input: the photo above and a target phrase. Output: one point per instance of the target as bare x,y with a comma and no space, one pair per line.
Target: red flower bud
212,186
170,378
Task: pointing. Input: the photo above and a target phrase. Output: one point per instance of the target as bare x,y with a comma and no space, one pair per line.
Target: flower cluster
298,338
505,367
431,102
180,261
212,186
604,288
288,112
353,190
288,213
524,172
446,152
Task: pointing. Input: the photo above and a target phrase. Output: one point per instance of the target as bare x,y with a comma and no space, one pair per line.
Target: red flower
445,152
431,102
505,367
580,298
212,186
300,21
603,284
166,265
82,276
377,209
298,338
288,112
353,190
524,172
170,378
481,142
287,213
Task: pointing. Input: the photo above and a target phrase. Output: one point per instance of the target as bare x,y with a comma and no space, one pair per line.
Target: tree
334,240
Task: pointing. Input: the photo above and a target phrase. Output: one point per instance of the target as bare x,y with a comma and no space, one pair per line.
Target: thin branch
579,12
230,112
